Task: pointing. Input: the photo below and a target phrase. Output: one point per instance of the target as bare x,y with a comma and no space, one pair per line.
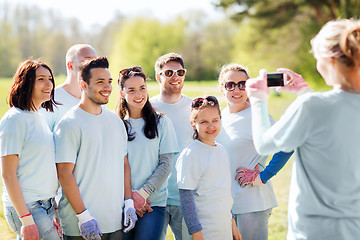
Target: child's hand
198,236
235,231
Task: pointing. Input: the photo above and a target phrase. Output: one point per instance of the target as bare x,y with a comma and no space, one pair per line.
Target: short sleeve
188,171
12,136
67,142
168,141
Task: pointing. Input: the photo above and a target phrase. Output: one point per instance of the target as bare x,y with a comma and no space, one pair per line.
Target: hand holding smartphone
276,79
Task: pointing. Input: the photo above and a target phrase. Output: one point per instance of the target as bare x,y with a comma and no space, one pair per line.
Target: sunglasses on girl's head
230,86
127,71
197,102
170,72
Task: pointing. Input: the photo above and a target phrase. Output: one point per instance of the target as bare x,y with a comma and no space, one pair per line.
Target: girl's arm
127,179
9,166
191,218
235,231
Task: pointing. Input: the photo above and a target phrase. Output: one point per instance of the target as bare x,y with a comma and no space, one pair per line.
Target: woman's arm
160,174
127,179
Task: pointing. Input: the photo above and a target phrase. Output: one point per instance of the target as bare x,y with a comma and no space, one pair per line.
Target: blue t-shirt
26,134
96,144
143,155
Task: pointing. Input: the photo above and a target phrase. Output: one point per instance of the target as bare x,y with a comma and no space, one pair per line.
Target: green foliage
141,41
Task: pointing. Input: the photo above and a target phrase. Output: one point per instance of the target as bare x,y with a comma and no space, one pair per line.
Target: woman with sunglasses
323,129
252,203
151,147
28,155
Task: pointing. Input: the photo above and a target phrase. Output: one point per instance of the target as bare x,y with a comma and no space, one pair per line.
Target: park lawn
277,105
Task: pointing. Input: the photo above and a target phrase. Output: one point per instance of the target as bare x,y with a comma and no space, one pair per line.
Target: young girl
151,147
28,155
204,179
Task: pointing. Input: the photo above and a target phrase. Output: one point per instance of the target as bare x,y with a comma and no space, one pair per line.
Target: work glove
130,217
248,177
56,223
145,209
294,84
89,228
257,89
28,230
140,197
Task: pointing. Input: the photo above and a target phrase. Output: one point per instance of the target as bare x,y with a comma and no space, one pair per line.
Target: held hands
294,84
56,223
142,205
249,177
257,89
29,230
89,228
130,217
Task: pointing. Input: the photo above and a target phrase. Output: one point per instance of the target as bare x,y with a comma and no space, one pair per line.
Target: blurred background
207,33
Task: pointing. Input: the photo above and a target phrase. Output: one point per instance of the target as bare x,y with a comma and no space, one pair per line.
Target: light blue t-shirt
96,144
206,170
66,100
143,155
25,133
236,137
179,114
324,129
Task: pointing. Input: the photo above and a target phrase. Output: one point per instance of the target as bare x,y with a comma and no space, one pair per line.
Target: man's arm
69,186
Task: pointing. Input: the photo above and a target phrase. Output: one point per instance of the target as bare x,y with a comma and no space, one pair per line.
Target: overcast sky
91,12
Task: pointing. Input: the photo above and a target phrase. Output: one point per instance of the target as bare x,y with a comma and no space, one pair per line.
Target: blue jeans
43,213
254,225
148,227
106,236
174,218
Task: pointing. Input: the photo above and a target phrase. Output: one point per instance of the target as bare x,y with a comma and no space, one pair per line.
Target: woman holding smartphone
323,129
28,155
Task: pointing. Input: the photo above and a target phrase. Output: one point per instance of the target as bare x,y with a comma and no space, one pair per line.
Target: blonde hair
339,39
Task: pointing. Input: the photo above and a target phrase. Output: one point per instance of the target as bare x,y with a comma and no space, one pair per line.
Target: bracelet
26,215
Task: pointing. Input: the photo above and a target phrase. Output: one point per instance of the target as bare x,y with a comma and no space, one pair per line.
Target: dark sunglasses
170,72
127,71
230,86
197,102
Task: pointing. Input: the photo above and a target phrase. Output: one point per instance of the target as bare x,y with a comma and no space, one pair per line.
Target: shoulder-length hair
20,95
150,116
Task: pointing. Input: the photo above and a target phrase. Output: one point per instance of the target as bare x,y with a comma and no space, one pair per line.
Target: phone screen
275,79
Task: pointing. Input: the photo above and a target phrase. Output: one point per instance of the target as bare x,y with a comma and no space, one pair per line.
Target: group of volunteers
72,169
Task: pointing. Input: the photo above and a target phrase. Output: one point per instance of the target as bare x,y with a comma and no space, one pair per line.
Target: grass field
277,105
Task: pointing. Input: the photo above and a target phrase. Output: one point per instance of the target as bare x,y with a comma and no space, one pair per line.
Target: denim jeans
254,225
106,236
174,218
149,226
43,213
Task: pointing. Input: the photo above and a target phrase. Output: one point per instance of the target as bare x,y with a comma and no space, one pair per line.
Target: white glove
89,228
130,217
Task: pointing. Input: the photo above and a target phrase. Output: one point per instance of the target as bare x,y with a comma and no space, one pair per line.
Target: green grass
277,105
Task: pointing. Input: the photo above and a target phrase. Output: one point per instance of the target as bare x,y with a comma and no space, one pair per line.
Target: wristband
129,203
143,193
26,215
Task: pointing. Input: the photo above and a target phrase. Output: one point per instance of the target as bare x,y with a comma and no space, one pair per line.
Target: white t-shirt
236,137
66,100
179,114
25,133
143,155
206,170
324,129
97,145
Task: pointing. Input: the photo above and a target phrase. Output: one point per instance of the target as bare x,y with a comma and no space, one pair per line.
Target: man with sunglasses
170,74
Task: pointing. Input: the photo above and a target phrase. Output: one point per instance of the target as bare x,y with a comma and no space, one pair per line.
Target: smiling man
170,74
91,146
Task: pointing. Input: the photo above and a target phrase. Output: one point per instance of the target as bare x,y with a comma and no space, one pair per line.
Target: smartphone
276,79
